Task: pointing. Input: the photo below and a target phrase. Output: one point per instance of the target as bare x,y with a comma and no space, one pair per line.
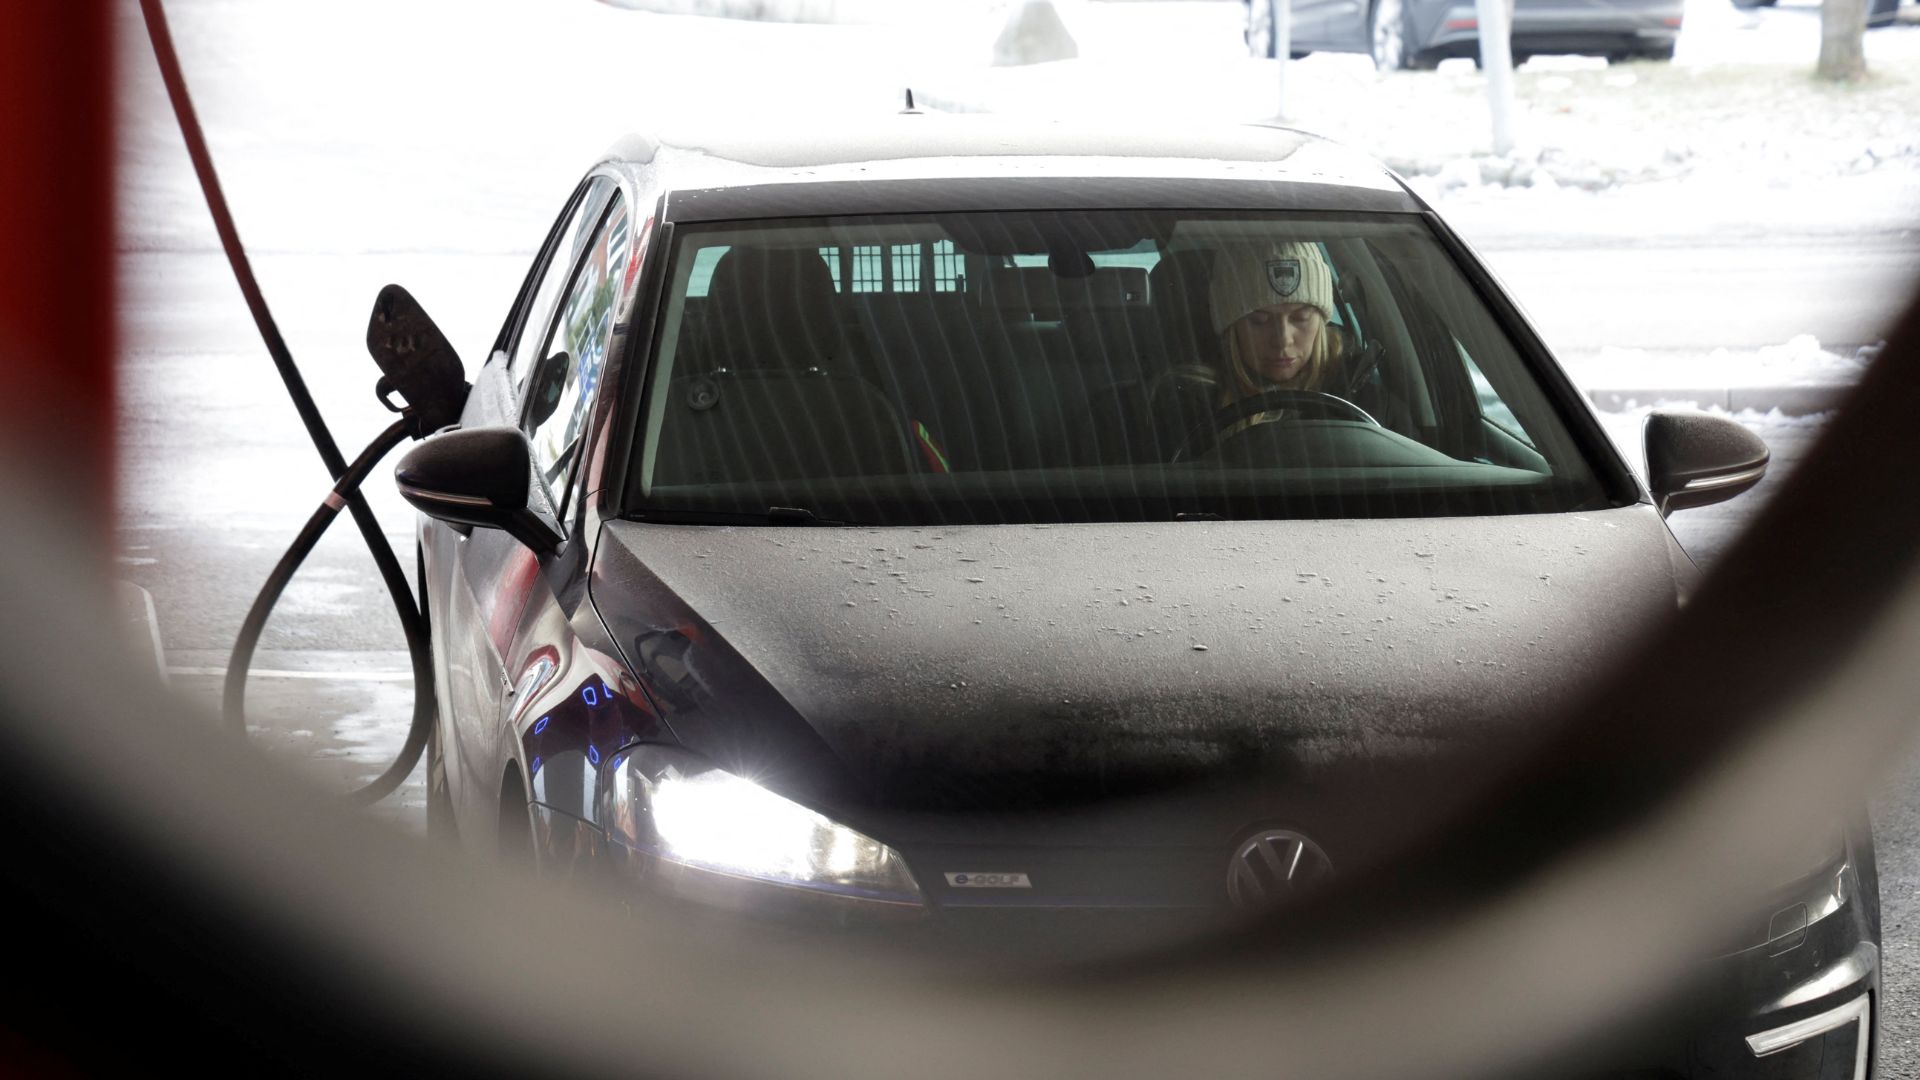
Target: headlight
682,810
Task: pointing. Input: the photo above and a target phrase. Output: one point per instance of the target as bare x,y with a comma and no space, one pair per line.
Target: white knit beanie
1247,277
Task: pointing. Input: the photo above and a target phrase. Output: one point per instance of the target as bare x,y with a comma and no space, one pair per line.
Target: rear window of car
1092,366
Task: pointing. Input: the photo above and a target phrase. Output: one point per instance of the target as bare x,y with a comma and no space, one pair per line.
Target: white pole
1282,47
1496,60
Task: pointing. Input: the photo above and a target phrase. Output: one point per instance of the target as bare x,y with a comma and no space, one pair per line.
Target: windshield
1090,366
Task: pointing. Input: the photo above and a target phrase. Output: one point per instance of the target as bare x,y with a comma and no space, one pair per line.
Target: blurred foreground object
56,247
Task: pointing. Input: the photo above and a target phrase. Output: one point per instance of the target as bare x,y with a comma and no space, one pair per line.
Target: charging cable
347,479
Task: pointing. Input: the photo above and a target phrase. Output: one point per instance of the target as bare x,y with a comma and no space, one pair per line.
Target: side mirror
1695,459
479,476
549,382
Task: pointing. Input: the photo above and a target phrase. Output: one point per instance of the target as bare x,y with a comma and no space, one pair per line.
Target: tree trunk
1843,26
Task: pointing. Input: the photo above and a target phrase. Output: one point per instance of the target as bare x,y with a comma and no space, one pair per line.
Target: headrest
774,307
1178,286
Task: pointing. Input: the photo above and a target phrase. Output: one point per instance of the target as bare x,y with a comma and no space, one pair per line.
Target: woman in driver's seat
1270,304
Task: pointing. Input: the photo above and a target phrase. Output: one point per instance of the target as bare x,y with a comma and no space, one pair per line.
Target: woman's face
1275,341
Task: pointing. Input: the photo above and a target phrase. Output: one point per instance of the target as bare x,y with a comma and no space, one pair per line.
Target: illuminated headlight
681,809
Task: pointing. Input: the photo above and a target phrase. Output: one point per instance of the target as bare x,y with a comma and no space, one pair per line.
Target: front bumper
1825,1025
1793,994
1807,993
1829,1029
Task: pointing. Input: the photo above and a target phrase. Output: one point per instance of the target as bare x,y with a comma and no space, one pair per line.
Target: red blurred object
57,306
1463,24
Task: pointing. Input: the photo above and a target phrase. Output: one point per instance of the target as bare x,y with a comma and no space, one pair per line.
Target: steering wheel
1236,417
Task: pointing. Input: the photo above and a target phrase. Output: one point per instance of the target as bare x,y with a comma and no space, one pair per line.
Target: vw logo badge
1274,865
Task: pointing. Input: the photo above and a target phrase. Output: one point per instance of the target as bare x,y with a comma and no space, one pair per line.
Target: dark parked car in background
1402,34
863,528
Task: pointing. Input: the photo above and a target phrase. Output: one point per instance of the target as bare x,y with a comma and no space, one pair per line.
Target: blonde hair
1322,361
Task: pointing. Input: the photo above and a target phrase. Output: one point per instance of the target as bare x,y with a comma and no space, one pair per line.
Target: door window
1492,407
535,319
562,390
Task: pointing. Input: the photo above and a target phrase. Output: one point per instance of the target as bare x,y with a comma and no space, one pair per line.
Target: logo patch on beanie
1284,275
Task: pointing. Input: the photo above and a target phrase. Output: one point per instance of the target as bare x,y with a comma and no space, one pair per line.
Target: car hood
997,667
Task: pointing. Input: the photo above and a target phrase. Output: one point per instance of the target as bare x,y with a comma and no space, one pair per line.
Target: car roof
916,161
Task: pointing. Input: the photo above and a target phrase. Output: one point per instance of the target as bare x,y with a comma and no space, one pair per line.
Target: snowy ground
1776,378
1737,105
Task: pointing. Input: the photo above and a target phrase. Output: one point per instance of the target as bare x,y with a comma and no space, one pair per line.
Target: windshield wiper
797,515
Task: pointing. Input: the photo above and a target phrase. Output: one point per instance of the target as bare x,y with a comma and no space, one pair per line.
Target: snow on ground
1596,126
1738,104
1799,362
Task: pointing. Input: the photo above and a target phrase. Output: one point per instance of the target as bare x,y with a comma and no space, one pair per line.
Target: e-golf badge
988,881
